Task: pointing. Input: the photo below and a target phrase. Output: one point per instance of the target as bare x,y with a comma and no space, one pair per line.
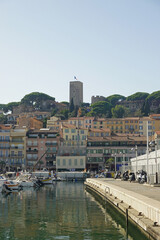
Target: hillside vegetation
114,106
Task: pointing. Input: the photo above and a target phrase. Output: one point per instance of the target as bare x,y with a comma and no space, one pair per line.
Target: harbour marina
63,210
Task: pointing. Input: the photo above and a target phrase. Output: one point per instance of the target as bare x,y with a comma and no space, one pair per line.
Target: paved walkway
143,189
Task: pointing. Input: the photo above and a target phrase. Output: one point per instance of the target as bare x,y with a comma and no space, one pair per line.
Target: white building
150,164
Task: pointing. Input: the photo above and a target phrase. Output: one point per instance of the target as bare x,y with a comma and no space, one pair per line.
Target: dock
140,203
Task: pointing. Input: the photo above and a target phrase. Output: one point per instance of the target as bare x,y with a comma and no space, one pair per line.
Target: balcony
4,140
17,141
17,156
32,150
16,147
32,159
1,147
51,144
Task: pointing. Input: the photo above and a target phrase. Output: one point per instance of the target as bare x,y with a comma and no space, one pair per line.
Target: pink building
42,146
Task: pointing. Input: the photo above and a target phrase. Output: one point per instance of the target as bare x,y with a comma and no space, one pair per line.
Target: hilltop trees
35,98
114,99
119,111
100,109
137,96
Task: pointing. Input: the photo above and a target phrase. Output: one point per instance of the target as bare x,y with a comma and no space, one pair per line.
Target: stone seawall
143,211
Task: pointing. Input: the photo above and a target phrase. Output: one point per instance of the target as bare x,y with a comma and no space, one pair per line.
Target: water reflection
61,211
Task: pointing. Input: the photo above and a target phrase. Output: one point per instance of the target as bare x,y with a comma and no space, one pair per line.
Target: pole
136,158
115,163
147,156
123,162
156,160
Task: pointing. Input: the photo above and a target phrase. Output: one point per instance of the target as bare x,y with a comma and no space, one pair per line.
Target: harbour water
64,211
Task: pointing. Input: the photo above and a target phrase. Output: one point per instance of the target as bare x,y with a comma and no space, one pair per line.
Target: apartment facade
119,146
42,146
5,144
18,148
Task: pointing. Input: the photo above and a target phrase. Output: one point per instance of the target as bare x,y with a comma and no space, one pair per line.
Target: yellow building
29,122
54,123
74,136
84,122
18,147
4,144
115,124
102,132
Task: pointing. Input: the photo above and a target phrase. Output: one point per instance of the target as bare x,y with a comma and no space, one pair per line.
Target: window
64,162
81,162
70,162
7,138
67,130
20,153
75,162
66,137
58,162
82,131
73,130
29,143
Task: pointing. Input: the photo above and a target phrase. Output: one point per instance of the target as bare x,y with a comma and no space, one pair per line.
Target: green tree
153,96
109,162
137,96
64,113
9,107
35,98
3,119
100,109
119,111
114,99
146,108
66,103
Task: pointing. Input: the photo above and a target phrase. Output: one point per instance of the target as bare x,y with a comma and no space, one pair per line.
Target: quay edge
140,209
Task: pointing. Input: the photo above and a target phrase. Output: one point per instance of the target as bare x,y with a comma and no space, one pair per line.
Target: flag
75,78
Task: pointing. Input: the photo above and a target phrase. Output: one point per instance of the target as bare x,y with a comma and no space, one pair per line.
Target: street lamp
123,162
136,149
115,162
156,160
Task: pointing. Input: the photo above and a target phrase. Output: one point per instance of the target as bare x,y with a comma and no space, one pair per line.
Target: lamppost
156,160
136,149
147,156
115,162
123,162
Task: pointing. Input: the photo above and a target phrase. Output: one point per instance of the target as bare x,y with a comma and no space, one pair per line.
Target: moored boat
9,186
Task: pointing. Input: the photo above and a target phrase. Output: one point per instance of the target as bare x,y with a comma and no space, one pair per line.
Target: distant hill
137,104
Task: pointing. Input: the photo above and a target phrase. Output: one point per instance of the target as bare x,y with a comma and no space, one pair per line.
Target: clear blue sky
112,46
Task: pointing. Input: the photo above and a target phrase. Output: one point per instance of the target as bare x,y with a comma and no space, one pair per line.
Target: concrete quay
139,202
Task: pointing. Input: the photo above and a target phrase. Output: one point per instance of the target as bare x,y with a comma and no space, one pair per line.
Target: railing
4,140
4,147
51,144
32,159
32,150
50,158
16,156
16,147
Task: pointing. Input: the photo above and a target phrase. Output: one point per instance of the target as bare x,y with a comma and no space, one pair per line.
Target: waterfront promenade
141,202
